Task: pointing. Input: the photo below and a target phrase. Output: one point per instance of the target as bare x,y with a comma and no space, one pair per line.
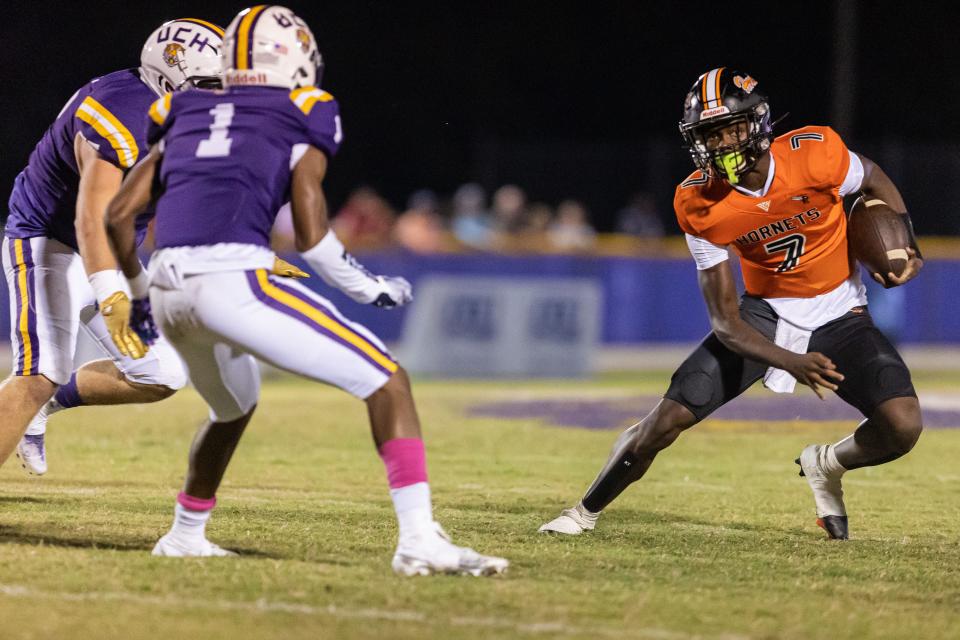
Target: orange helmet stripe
717,91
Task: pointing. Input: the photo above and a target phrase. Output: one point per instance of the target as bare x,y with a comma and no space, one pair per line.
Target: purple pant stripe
327,312
262,296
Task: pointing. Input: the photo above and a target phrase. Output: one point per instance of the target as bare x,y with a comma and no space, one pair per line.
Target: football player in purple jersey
230,159
58,263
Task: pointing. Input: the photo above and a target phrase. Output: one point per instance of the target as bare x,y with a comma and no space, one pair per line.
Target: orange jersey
792,241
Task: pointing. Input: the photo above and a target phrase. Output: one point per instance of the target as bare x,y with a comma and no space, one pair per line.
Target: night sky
567,99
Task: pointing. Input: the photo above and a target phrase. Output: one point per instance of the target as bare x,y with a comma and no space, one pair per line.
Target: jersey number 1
218,144
792,245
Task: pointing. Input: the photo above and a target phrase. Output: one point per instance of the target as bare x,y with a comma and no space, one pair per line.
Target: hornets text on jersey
228,158
792,241
108,112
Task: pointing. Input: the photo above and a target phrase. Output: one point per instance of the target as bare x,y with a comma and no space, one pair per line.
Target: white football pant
219,322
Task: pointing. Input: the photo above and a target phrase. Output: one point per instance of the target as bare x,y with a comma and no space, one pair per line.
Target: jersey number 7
792,245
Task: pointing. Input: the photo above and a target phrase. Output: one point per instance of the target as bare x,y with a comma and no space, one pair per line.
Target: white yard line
332,610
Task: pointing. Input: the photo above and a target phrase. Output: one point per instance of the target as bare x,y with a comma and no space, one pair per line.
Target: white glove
395,292
339,269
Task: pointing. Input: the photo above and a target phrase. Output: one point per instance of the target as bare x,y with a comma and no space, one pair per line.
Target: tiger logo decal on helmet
270,45
304,39
173,54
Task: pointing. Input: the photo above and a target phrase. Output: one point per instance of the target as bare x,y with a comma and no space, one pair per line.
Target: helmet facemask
713,154
205,82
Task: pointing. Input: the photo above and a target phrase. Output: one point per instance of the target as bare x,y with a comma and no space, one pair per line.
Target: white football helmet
181,54
269,45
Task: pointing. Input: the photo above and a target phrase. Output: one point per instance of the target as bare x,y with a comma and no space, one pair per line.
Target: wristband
105,283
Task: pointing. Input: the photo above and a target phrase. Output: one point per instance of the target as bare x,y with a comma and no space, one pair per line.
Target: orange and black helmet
718,99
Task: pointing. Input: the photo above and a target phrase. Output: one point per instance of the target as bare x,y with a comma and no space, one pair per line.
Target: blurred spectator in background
571,231
640,217
365,222
420,227
531,229
509,204
471,224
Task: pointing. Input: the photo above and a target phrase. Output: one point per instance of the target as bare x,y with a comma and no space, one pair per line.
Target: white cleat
171,546
827,492
432,552
31,450
571,522
32,454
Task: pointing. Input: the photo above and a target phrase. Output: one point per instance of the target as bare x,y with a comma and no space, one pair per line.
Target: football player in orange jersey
777,202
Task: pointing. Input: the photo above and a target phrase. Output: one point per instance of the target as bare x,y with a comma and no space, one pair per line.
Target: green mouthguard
729,163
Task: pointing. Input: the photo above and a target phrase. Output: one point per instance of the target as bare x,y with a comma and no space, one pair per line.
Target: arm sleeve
854,179
705,253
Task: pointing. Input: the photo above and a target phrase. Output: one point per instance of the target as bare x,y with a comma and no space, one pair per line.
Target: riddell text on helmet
246,77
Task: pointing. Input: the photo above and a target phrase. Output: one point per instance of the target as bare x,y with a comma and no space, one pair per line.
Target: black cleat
835,526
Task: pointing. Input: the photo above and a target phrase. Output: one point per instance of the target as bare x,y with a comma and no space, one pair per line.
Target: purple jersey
107,111
227,158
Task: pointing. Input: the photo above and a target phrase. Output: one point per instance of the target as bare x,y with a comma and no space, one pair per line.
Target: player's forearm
92,238
121,235
131,200
744,340
123,241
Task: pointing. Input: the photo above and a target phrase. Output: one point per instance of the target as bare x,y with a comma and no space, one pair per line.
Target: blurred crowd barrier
647,293
653,297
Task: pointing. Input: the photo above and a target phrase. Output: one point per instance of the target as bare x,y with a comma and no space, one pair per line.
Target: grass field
718,542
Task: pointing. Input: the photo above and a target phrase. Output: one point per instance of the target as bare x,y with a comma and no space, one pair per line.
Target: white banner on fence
509,327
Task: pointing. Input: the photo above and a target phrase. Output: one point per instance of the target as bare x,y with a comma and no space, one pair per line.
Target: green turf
717,542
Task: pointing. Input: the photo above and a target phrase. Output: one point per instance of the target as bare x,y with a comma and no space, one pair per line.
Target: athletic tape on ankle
196,504
405,460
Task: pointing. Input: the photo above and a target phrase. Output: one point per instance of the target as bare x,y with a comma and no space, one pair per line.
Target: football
878,237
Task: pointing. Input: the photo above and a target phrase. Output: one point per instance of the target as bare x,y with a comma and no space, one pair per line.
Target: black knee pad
695,388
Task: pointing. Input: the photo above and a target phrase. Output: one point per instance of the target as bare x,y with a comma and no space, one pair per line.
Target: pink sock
407,474
405,460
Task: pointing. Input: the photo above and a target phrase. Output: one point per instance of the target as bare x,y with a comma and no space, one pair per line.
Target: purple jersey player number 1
228,157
